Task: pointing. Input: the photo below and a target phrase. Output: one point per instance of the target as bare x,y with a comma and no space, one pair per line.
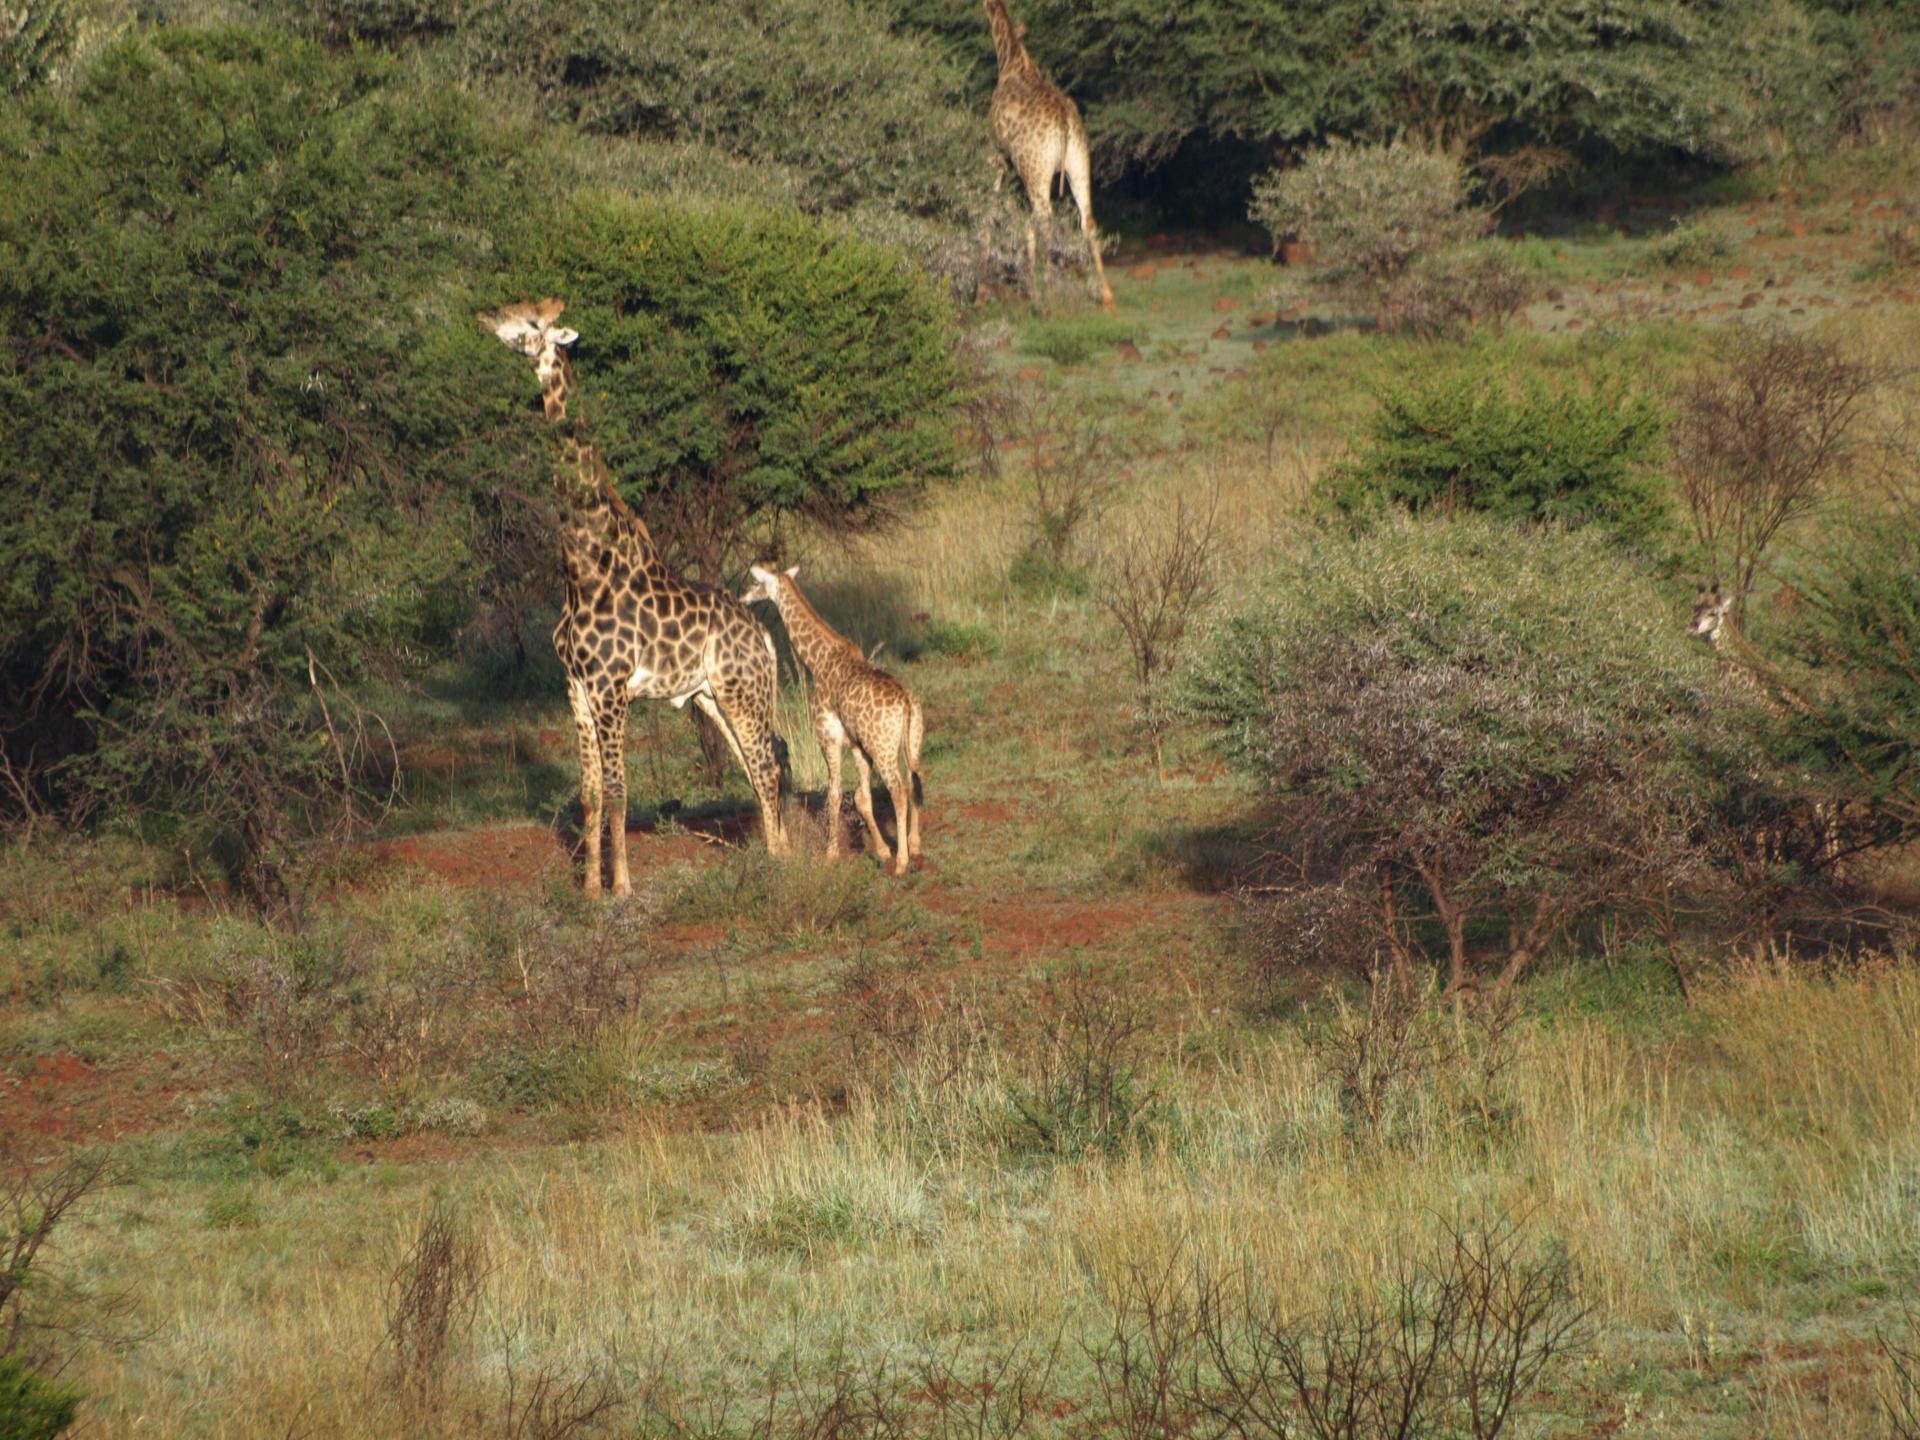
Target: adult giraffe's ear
765,577
793,572
563,336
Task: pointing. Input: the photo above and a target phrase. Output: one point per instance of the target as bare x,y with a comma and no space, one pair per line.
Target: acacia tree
1460,724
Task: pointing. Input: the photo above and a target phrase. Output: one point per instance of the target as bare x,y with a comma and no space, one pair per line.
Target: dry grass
1729,1179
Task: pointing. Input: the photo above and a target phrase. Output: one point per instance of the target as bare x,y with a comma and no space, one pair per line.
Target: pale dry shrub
1155,580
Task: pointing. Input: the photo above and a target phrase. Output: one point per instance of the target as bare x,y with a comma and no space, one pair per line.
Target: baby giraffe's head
766,584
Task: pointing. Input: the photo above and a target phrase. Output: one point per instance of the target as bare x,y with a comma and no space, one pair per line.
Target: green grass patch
1074,340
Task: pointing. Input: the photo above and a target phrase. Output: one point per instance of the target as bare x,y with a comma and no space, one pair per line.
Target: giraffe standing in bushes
1812,831
630,628
1042,133
854,703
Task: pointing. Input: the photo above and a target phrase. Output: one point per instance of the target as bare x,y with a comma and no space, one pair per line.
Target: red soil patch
1036,926
500,856
62,1097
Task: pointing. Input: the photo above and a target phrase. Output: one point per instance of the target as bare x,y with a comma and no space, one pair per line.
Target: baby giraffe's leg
863,802
887,762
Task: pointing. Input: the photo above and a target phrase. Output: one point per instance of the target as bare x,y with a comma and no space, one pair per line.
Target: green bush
1692,245
1474,438
1373,207
250,424
741,366
1462,725
1849,651
33,1407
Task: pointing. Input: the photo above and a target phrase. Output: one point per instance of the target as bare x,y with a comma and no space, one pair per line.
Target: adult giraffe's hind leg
887,762
916,731
587,731
751,734
1079,179
832,741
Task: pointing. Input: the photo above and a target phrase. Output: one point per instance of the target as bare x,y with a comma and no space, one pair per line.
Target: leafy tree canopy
739,366
1701,76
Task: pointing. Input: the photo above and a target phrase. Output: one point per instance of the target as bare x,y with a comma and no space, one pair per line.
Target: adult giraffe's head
530,328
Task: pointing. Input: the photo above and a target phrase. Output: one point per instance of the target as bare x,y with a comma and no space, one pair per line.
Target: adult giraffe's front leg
611,725
586,730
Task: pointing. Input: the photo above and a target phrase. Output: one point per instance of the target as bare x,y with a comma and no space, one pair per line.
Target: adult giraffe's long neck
814,641
596,512
1007,48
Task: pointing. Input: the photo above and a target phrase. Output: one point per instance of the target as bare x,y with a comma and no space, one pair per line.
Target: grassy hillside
1024,1143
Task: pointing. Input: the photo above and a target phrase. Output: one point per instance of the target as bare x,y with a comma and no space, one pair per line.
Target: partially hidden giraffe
1807,830
855,703
1040,129
629,628
1712,612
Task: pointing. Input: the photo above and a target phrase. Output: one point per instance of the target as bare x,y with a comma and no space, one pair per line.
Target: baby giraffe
854,703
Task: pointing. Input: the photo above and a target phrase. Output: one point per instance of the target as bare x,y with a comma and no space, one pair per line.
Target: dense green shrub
36,37
1476,438
1878,42
31,1406
1461,724
248,420
743,367
1850,651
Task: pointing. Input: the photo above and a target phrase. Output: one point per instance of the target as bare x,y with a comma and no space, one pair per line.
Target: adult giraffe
631,628
1041,131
